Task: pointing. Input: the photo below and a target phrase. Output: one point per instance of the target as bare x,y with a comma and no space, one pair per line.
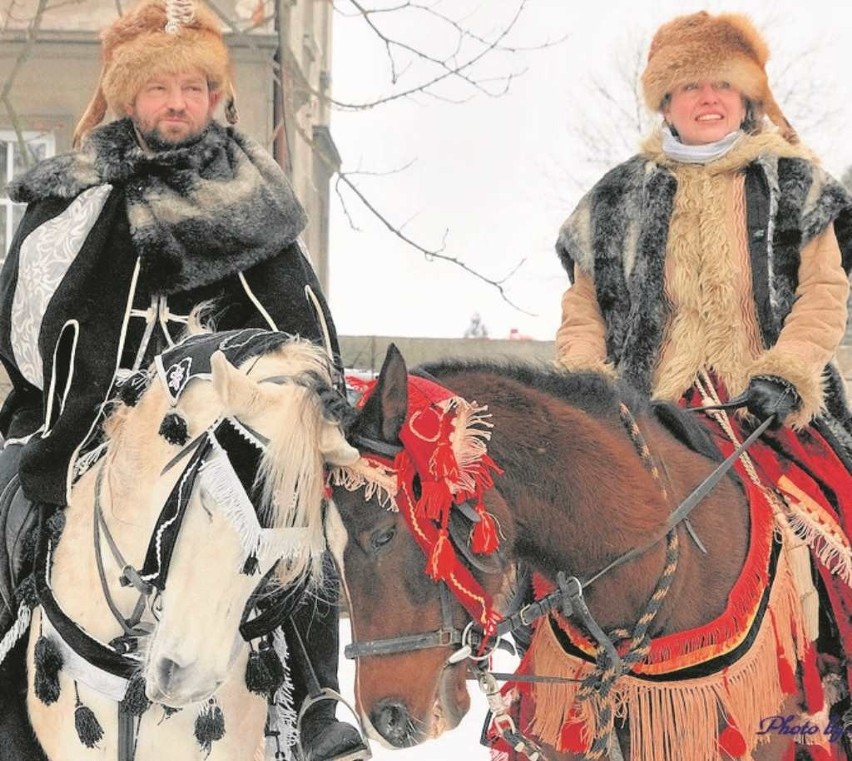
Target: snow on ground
462,742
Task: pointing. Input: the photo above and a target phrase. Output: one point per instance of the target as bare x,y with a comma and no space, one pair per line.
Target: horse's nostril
390,719
167,670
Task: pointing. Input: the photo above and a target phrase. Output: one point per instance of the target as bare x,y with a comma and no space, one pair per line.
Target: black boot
17,517
312,635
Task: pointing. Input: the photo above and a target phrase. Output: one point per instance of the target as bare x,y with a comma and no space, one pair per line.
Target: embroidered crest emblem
178,375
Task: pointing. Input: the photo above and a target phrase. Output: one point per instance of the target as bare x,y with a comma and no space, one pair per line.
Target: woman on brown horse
714,264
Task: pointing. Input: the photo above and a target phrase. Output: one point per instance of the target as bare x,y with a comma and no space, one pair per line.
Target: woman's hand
772,396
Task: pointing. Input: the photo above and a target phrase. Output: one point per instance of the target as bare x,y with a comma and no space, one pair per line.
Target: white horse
191,655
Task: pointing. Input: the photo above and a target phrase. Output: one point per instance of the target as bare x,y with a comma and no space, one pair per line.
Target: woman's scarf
698,154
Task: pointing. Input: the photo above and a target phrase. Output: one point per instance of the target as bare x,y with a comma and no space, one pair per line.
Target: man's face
173,108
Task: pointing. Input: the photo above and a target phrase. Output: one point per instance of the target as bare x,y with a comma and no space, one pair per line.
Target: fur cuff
795,370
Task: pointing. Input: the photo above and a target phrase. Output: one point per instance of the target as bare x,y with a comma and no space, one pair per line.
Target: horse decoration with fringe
443,464
691,641
195,530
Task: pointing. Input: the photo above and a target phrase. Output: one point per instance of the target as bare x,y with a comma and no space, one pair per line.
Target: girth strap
126,734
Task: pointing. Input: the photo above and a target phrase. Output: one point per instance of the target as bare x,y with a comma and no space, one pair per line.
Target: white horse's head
255,520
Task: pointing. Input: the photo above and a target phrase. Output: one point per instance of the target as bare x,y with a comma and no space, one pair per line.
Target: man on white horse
152,214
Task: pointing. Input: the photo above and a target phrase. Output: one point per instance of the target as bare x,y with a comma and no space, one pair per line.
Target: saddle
18,520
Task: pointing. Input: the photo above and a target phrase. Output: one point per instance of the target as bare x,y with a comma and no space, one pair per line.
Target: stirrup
357,754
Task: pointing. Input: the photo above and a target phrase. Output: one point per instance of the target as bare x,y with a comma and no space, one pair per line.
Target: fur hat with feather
158,37
700,47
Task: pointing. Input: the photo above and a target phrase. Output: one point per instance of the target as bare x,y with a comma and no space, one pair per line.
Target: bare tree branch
432,253
443,68
26,51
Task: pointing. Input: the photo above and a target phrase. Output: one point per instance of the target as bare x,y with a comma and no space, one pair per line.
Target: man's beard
156,141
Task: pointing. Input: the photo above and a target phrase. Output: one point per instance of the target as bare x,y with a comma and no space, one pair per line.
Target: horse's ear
388,404
235,389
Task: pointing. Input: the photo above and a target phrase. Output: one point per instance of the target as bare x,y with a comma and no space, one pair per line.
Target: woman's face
704,112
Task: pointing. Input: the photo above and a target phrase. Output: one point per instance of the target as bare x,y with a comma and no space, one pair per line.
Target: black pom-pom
174,429
209,726
131,389
264,671
48,664
135,702
26,592
87,725
251,566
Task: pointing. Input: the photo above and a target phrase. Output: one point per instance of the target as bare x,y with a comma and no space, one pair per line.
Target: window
40,145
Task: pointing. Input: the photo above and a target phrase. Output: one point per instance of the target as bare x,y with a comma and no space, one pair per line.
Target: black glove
771,396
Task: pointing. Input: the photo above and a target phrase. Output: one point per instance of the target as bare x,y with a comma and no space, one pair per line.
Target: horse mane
593,392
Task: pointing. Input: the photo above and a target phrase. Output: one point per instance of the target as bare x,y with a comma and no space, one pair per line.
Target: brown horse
574,495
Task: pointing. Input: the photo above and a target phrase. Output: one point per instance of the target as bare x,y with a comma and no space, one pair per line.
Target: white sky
501,174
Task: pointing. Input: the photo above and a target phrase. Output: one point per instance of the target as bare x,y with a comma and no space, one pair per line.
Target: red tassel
435,500
732,742
811,682
818,753
572,738
790,753
443,463
786,675
442,559
485,540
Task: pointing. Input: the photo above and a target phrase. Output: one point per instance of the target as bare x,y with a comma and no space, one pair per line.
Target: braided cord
597,686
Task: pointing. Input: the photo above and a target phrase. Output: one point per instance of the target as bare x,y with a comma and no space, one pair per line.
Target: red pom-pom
572,738
442,559
732,742
485,540
811,682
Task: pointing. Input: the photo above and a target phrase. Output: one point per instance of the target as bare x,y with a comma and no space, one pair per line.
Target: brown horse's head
412,694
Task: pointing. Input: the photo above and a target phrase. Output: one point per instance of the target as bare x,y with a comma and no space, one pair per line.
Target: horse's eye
382,537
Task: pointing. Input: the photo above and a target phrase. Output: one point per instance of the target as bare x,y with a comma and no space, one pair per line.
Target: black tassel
55,525
173,428
89,729
131,389
264,671
135,702
48,664
27,592
209,726
251,566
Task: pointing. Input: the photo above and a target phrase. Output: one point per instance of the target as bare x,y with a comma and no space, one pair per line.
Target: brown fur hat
703,47
158,37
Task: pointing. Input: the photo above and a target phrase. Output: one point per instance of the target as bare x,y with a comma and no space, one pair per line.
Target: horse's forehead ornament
445,440
191,357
